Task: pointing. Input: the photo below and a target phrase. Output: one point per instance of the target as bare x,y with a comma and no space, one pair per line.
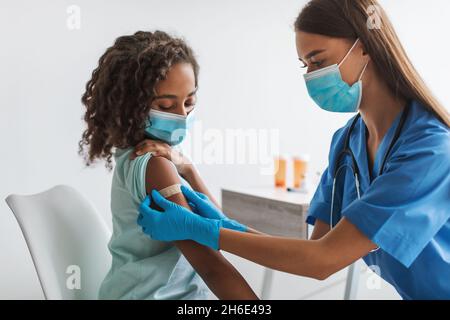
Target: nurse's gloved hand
177,223
201,204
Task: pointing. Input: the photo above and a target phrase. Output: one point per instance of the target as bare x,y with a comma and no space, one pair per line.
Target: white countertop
276,194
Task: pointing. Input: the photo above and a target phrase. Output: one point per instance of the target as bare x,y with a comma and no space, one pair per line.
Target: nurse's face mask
330,92
168,127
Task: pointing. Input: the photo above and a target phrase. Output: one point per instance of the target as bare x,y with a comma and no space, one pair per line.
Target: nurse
385,196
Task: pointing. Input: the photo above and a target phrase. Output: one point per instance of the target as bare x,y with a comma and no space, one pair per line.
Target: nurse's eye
318,64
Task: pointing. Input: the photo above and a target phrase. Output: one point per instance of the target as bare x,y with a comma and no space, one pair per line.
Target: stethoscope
346,151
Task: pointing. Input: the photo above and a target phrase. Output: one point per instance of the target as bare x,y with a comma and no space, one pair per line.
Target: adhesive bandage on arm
171,190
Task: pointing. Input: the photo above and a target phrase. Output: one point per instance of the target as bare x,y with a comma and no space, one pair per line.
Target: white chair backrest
67,239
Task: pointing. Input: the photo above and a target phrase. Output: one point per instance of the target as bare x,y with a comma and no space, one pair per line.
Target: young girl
145,87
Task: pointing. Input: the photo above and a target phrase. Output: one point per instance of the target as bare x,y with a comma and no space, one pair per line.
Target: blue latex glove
177,223
201,205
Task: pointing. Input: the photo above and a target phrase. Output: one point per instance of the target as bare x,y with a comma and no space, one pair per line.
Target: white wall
250,78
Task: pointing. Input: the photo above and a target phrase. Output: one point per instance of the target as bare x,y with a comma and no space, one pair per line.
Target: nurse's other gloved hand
177,223
205,208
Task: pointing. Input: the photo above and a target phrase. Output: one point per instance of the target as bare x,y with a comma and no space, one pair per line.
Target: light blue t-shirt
142,268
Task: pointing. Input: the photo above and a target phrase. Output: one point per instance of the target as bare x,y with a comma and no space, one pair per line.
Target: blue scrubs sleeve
405,207
320,205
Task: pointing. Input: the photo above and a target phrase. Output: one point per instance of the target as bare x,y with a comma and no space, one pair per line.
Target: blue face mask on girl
168,127
330,92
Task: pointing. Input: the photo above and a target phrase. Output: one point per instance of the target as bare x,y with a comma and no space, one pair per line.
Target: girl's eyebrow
166,96
173,96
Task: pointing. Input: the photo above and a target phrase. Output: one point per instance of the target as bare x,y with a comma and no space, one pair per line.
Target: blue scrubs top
406,210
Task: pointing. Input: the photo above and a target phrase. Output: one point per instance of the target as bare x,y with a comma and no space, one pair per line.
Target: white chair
67,240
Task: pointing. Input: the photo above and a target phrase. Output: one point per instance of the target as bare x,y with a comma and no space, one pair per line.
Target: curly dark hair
119,93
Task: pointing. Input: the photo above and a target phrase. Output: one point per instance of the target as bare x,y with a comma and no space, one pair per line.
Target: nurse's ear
362,64
365,54
367,68
356,65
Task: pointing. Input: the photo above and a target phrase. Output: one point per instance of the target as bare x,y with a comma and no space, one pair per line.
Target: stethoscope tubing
354,166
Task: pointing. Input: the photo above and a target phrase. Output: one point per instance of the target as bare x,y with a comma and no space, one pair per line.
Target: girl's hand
162,149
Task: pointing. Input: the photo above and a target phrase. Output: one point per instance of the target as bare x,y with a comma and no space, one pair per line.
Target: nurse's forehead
309,44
